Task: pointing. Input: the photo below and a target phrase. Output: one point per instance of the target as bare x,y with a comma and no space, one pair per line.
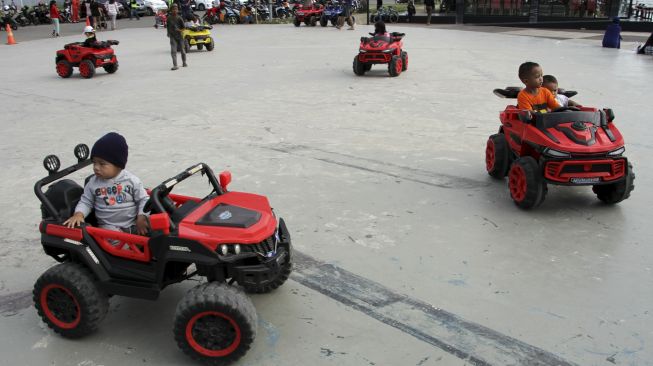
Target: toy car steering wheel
565,109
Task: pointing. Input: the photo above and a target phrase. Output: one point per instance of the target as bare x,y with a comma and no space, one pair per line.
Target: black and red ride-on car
87,59
226,237
381,49
308,15
569,146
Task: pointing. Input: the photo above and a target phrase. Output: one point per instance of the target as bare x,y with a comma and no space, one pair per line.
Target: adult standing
346,14
95,13
174,26
133,5
54,15
428,6
112,11
379,4
87,12
186,10
75,11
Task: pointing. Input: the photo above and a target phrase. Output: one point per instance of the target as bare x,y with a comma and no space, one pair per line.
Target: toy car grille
552,168
579,168
619,167
263,247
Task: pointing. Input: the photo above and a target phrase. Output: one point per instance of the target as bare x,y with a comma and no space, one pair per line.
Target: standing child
533,97
112,11
54,15
174,26
411,10
116,195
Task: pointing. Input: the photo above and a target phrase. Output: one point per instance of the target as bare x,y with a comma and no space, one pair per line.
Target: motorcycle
65,16
211,16
23,17
6,18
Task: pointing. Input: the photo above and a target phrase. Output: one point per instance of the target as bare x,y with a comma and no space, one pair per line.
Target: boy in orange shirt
534,97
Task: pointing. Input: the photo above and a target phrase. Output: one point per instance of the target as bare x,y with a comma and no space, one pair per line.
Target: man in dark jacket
429,5
175,25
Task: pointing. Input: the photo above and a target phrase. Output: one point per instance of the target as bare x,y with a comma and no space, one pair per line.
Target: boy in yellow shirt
534,97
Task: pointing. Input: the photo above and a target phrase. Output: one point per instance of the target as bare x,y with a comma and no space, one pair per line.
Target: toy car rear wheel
404,59
527,186
313,21
395,66
87,69
210,45
616,192
111,68
496,156
64,68
215,323
68,300
368,66
324,21
200,46
359,67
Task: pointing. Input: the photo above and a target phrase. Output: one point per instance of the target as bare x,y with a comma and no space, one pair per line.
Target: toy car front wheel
64,68
111,68
616,192
296,22
404,59
527,186
200,46
395,66
68,300
210,45
324,21
359,67
87,69
496,156
215,323
313,21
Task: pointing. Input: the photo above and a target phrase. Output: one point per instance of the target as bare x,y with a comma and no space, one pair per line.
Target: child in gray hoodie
116,195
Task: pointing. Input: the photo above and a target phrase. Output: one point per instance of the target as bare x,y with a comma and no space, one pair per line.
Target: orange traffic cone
10,36
88,21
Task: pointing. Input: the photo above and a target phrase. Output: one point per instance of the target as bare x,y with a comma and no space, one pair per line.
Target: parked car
124,8
153,6
201,5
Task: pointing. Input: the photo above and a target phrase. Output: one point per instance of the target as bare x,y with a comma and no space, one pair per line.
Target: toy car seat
64,195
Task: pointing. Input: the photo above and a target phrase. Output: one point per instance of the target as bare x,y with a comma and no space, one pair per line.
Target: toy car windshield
576,118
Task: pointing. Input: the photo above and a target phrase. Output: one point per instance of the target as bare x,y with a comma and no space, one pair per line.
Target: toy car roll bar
512,91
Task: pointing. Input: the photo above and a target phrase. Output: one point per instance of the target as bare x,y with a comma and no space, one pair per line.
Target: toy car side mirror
609,114
160,222
225,179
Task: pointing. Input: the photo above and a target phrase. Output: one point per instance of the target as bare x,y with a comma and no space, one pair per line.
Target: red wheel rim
206,333
83,69
517,183
398,66
62,69
489,155
60,306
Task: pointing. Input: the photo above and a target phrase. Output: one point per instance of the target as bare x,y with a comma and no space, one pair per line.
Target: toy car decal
195,169
71,241
170,183
90,252
226,215
179,248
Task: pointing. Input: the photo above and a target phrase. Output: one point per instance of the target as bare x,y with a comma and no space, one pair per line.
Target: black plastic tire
616,192
210,46
296,22
87,69
215,324
324,21
200,46
111,68
527,186
395,66
201,7
359,67
404,60
313,21
187,45
368,66
68,300
64,68
497,160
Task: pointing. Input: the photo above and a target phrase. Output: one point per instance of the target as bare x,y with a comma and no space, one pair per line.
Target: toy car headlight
362,51
387,51
224,249
555,153
617,152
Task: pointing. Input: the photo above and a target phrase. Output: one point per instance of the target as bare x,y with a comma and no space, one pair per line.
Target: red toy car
308,15
224,237
87,59
385,49
569,146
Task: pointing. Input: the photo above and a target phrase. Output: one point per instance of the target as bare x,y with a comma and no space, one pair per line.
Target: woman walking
112,10
54,15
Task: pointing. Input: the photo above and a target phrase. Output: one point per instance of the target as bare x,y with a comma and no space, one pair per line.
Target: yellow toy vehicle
199,36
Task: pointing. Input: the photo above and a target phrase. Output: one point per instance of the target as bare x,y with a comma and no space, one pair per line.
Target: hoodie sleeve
87,201
140,195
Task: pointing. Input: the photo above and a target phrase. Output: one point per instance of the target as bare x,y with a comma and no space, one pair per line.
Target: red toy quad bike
569,146
308,15
385,49
225,237
87,59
